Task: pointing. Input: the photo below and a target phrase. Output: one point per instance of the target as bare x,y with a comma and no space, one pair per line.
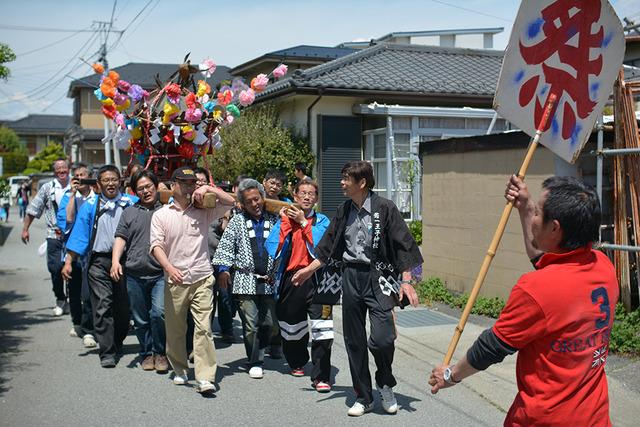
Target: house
37,130
379,103
90,125
297,58
466,37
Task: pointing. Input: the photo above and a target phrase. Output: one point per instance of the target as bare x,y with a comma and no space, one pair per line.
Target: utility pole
105,28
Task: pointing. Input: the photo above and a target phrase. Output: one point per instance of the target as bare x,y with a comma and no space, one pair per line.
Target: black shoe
108,362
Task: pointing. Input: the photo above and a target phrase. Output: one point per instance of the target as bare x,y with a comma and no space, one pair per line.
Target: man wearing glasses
93,235
144,276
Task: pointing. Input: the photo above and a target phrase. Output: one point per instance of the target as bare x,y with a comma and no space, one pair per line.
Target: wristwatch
304,223
448,377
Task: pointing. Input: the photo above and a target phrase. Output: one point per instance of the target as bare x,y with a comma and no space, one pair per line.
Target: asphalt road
48,378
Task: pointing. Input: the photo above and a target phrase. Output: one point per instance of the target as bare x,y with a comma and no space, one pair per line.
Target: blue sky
228,32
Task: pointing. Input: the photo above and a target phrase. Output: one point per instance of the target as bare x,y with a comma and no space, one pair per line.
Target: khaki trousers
178,300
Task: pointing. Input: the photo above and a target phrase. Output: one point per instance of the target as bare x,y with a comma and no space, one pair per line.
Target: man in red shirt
558,318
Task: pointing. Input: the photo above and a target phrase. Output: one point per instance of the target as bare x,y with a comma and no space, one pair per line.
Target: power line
44,29
473,11
51,44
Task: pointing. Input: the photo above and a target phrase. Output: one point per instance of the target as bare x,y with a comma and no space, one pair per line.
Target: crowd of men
116,253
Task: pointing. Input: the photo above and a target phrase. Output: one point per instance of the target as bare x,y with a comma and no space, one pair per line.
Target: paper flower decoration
247,97
124,86
186,150
136,92
280,71
225,97
203,88
124,106
114,76
120,98
170,112
98,68
193,115
173,91
207,68
109,111
233,110
190,100
259,82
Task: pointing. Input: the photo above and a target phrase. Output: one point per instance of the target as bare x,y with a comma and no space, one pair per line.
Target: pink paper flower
229,119
259,82
247,97
120,120
124,85
193,115
280,71
207,67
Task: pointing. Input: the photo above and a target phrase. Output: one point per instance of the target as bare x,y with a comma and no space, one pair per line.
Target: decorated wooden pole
270,205
561,53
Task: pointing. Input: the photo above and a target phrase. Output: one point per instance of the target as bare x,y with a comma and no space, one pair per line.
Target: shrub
432,290
625,334
415,227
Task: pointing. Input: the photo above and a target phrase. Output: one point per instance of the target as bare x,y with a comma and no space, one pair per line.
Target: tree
6,55
9,141
43,161
13,153
257,142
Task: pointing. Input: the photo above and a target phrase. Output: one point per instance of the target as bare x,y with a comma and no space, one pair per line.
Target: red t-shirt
300,256
560,318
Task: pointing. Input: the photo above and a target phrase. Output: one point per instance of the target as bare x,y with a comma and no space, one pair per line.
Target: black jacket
393,248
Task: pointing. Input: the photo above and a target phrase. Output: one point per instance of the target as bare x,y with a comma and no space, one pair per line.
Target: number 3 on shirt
604,306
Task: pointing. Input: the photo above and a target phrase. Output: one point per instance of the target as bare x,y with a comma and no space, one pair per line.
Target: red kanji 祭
561,22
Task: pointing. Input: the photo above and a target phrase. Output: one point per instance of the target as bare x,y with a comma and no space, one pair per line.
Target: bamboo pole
493,247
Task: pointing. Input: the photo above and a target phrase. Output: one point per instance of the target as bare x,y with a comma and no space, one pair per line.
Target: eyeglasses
306,193
110,181
145,187
275,183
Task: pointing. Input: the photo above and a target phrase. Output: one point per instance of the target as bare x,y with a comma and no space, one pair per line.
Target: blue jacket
273,241
82,231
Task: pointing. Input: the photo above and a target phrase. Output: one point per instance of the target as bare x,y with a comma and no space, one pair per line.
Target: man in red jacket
558,318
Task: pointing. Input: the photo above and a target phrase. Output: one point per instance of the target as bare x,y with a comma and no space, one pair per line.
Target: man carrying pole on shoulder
143,275
179,244
292,242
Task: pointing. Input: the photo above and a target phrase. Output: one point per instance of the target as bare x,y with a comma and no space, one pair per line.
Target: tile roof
306,51
301,52
41,123
408,69
144,74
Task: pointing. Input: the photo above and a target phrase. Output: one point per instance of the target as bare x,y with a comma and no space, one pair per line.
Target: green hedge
625,334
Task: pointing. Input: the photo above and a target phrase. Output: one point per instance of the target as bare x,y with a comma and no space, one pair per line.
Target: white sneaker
72,332
58,309
89,341
389,403
180,379
204,386
358,409
256,372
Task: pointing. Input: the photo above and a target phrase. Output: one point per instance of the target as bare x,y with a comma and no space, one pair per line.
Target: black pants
54,265
293,307
357,299
79,299
110,305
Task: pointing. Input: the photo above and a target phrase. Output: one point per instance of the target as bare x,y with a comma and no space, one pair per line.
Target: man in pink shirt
179,243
